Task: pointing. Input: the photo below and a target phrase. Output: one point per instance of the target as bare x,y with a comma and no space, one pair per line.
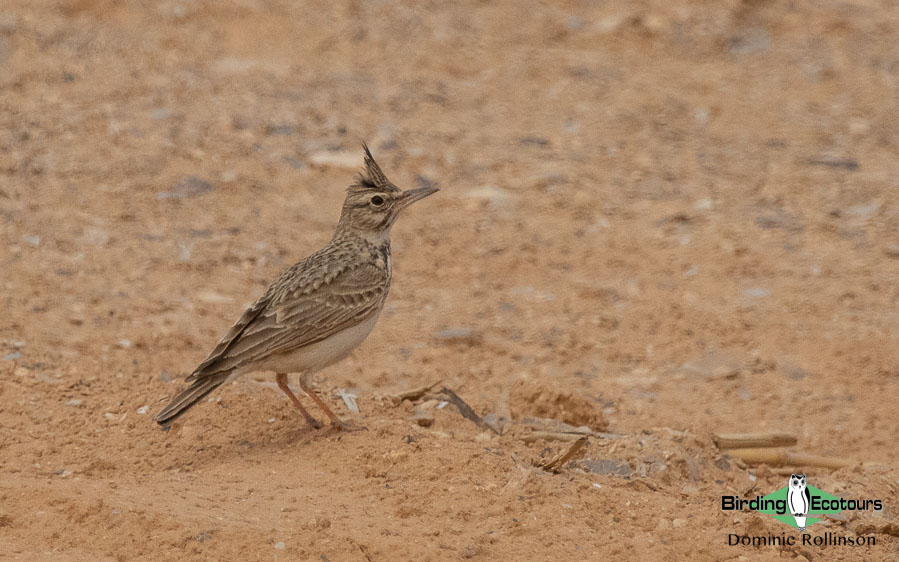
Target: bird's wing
233,334
808,500
306,304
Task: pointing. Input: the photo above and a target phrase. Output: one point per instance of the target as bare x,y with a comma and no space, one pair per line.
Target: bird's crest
372,177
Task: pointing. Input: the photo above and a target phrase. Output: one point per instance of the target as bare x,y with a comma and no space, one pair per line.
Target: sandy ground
660,220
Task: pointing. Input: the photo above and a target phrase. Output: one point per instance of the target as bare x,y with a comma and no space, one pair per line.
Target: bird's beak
413,195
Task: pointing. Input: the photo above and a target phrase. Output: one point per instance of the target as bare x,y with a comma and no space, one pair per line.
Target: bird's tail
187,398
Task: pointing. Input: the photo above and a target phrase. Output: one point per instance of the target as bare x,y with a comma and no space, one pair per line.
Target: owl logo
798,499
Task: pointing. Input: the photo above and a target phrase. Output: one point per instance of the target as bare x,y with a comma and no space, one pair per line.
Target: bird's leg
335,421
282,384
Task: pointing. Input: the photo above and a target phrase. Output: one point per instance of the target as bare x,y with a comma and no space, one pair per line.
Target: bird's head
373,202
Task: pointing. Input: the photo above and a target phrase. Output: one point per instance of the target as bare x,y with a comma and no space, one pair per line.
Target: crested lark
316,312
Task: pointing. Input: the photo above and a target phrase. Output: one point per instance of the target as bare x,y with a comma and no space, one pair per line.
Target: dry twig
555,464
753,440
777,457
554,426
413,394
464,408
551,436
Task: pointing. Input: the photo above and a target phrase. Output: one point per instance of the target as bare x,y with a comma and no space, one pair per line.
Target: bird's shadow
260,441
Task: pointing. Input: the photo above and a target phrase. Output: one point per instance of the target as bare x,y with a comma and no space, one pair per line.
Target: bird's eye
377,200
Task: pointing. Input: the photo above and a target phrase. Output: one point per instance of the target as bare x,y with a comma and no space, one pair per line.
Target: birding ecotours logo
798,497
798,503
793,503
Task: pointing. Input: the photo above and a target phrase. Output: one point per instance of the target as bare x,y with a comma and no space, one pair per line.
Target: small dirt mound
544,402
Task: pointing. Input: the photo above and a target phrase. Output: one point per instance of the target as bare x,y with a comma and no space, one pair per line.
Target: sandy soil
660,220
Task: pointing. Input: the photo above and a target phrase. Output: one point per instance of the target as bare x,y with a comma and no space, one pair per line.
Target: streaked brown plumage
317,311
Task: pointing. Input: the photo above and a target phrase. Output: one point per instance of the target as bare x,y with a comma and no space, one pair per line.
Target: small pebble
484,436
495,196
281,129
189,186
279,546
335,159
535,141
495,421
458,335
424,418
610,467
142,410
47,378
75,402
756,293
